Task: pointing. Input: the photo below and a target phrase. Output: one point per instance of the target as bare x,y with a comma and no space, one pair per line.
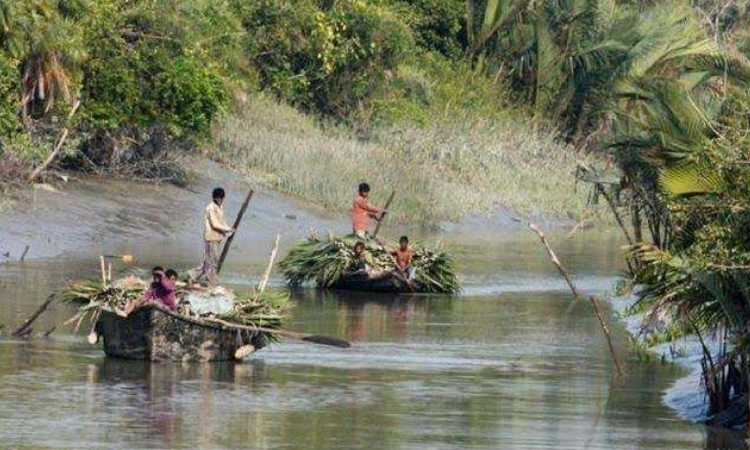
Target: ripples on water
512,364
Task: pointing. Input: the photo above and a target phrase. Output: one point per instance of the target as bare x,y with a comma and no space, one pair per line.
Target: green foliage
577,61
438,25
189,95
9,91
325,60
430,88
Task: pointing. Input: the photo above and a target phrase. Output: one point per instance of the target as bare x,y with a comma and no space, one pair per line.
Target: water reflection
515,368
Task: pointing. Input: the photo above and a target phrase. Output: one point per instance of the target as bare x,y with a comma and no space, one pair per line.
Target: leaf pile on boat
268,309
326,260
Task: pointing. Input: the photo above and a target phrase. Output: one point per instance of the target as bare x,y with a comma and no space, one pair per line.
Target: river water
511,363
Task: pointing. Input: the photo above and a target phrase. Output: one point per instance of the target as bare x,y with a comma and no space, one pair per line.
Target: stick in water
385,211
25,328
25,251
592,300
237,221
264,281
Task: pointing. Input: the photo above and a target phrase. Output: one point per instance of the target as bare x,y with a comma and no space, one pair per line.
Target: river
511,363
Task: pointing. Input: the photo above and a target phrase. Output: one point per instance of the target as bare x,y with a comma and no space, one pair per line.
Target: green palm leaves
39,34
578,60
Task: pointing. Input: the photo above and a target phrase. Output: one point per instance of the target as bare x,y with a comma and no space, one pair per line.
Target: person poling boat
215,229
363,211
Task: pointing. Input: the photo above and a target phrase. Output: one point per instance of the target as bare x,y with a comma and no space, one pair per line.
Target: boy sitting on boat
162,290
362,264
404,256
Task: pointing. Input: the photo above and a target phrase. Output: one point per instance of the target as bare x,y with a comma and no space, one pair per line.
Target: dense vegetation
457,101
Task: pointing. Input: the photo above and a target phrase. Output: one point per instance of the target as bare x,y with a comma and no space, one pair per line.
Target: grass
441,172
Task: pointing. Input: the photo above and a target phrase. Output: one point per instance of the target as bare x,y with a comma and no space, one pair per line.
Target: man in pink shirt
363,211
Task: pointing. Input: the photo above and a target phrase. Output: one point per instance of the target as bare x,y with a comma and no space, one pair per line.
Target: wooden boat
388,283
158,334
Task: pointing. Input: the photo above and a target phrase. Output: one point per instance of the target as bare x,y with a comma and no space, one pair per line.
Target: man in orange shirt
363,211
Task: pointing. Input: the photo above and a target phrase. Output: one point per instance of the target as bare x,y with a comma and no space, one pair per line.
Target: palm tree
580,59
48,44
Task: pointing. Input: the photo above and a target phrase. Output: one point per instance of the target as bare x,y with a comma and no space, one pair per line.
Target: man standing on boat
215,229
363,211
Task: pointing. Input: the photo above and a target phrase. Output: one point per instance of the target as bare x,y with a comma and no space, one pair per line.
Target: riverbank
686,395
442,172
103,215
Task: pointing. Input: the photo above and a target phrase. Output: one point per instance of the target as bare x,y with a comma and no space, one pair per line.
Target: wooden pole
592,300
316,339
267,274
237,221
104,271
25,328
385,211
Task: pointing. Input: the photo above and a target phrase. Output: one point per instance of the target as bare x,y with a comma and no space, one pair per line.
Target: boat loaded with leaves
208,324
331,263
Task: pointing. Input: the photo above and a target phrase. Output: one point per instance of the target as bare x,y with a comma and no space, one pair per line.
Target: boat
155,333
388,283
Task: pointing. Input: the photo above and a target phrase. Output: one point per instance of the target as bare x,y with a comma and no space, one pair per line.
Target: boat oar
237,221
382,216
313,338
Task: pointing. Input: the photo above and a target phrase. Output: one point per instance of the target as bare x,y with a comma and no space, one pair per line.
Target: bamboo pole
104,270
313,338
382,216
592,300
267,274
237,221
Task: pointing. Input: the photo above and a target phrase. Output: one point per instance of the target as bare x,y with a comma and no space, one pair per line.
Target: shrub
439,25
9,89
327,61
166,67
189,95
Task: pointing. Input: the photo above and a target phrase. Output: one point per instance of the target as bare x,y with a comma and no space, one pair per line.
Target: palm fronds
268,309
324,262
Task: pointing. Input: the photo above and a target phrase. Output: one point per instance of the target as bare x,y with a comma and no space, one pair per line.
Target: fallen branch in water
25,328
592,300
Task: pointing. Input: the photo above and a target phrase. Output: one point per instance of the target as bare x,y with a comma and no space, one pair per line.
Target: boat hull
386,284
154,334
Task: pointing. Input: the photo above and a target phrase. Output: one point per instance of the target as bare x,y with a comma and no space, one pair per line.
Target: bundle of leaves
326,261
267,309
